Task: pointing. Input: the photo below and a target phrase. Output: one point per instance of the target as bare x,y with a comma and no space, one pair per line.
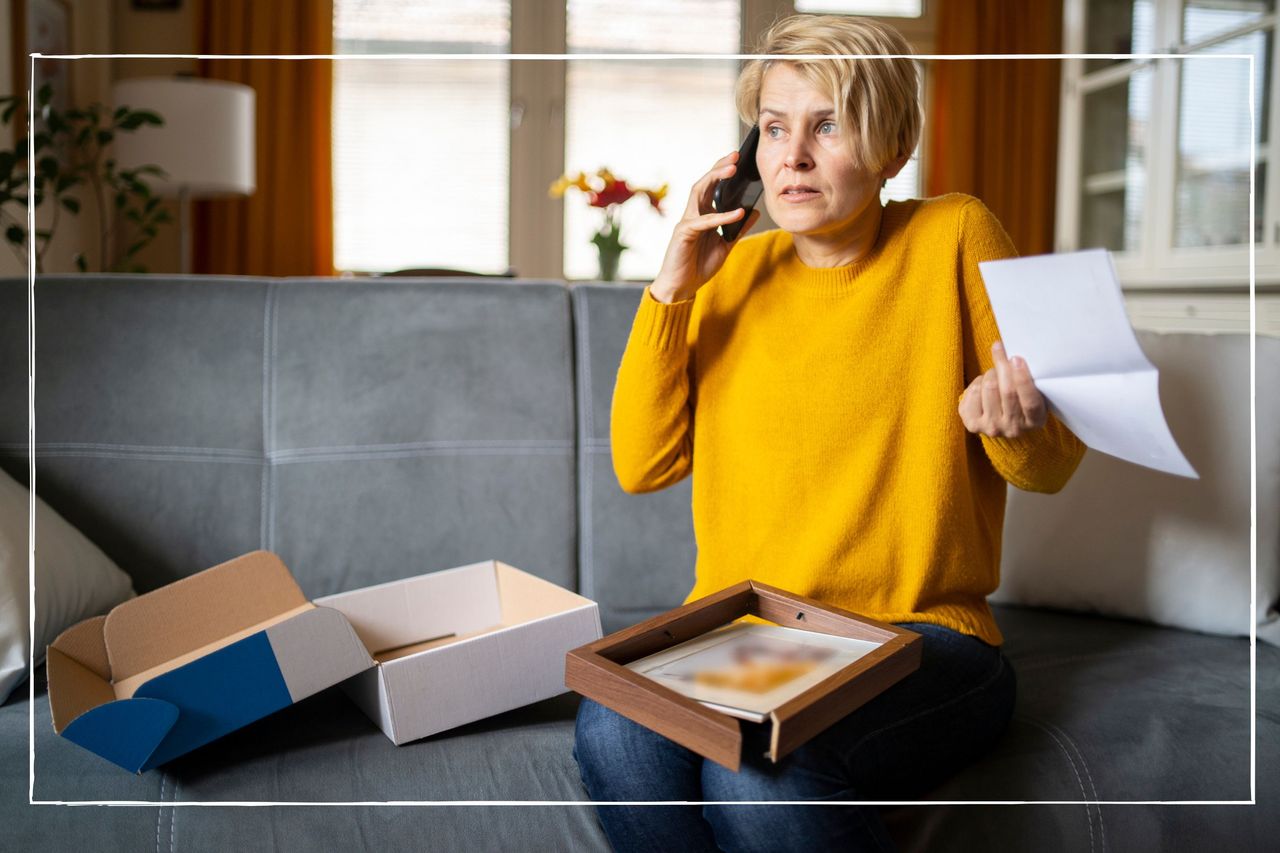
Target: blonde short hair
877,101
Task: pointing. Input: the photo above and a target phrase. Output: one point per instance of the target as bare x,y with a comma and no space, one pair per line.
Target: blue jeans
899,745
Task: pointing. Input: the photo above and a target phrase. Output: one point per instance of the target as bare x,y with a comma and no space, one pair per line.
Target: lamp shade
206,145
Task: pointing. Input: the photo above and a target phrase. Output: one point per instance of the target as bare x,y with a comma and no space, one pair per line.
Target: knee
596,743
620,760
607,746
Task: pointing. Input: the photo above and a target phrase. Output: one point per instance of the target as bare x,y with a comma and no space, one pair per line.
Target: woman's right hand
697,251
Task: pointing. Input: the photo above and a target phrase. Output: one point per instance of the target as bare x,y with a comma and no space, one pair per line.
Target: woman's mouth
796,193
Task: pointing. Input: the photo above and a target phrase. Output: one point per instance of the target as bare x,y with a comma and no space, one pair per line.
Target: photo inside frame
747,670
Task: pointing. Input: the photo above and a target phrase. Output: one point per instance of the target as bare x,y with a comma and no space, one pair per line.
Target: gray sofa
370,430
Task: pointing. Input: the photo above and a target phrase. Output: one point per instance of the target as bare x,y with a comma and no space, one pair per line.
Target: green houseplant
71,156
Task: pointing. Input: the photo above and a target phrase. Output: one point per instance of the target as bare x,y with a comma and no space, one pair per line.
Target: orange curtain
286,226
993,131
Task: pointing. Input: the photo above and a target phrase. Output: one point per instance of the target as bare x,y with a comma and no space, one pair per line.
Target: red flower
613,192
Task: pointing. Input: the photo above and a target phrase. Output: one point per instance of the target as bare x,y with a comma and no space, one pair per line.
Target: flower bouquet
608,192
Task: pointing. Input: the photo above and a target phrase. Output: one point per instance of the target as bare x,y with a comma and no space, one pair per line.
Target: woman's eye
773,132
827,127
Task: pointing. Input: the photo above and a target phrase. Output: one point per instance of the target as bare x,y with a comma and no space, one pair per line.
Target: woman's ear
893,167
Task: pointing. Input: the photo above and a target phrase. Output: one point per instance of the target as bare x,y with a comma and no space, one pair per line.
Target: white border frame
1253,446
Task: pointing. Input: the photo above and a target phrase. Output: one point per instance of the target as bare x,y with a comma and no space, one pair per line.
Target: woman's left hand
1003,402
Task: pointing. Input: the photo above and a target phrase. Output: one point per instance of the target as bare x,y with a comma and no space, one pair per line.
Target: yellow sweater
820,406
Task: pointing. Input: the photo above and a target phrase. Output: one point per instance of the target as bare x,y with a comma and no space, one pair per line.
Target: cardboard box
598,671
184,665
460,645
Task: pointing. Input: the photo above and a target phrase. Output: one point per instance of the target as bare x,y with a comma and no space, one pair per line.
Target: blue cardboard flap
189,696
126,732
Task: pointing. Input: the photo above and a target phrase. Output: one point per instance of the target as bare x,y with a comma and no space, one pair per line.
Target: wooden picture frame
598,670
41,26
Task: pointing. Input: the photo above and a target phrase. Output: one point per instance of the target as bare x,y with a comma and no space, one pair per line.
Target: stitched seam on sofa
565,452
268,358
1087,812
587,567
1102,828
445,444
54,446
160,809
155,457
173,817
254,456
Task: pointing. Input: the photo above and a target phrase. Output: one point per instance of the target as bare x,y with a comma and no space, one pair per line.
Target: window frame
1157,264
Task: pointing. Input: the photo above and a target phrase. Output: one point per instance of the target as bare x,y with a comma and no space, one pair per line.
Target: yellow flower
562,184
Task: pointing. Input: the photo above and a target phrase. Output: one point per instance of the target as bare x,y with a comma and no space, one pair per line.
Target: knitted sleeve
1042,460
651,421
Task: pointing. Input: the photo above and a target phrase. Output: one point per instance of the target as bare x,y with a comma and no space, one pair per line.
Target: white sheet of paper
1065,315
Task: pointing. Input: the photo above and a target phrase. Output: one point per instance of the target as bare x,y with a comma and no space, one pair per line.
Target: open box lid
180,666
598,671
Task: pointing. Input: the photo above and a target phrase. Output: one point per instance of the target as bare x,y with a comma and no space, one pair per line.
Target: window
651,122
1155,159
413,139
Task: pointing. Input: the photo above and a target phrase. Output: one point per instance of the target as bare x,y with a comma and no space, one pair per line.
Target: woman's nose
798,153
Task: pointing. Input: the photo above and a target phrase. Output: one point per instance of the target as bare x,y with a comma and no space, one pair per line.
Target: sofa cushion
1125,540
363,430
1107,710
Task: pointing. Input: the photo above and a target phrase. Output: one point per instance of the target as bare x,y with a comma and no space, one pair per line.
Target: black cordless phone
742,190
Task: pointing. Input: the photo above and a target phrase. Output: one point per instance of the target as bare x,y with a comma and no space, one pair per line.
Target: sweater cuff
662,326
1050,453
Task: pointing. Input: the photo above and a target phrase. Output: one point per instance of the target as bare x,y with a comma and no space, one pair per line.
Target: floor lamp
206,145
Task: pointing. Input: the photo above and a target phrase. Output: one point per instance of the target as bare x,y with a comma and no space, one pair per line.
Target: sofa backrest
364,430
370,430
636,553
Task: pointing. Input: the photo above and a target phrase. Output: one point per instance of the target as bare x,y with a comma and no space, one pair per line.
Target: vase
609,257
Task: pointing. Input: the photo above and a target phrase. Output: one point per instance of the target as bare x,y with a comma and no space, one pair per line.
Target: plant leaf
81,264
135,120
15,235
71,204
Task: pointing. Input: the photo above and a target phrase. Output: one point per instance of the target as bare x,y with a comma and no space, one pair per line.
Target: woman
838,392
